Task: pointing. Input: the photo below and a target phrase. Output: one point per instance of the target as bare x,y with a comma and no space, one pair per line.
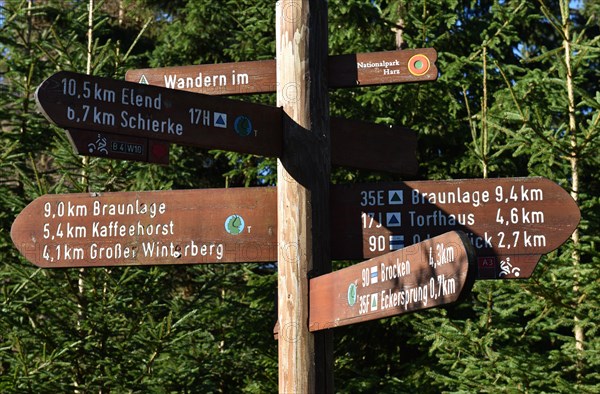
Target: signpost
510,221
428,274
147,228
344,71
145,119
408,229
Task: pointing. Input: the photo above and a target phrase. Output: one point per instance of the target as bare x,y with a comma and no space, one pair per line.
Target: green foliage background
500,108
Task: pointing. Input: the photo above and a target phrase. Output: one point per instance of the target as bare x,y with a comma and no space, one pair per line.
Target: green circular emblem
352,294
243,126
234,224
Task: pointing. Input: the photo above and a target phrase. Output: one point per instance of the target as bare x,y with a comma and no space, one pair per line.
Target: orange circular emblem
418,65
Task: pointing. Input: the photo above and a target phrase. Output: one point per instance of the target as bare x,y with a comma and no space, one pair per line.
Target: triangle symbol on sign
394,220
395,197
220,121
143,80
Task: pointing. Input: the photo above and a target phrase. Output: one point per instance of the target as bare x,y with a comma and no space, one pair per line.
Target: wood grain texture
343,71
305,359
425,275
147,228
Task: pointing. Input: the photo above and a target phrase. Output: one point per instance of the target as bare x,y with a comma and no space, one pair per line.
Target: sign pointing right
344,71
510,221
434,272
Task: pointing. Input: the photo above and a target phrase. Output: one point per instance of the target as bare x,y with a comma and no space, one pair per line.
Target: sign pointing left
84,102
141,228
139,118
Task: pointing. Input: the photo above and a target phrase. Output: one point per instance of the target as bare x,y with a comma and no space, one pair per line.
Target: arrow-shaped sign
511,222
116,108
425,275
148,228
344,71
79,101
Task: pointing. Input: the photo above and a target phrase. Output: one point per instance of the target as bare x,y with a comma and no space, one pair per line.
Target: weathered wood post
305,359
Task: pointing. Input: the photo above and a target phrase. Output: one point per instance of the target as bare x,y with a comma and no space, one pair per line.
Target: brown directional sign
129,110
115,146
424,275
382,68
79,101
345,71
510,221
143,228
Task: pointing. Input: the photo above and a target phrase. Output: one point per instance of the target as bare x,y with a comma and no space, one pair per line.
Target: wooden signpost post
147,228
303,176
431,273
344,71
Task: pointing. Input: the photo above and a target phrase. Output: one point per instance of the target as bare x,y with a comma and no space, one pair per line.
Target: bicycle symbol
100,145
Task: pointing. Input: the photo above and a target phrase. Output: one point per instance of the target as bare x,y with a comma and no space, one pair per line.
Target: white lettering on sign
63,209
443,255
430,212
480,242
372,198
113,252
439,218
394,271
192,249
519,216
147,123
383,63
129,96
402,291
405,297
205,81
111,239
515,194
96,115
475,198
134,208
200,117
115,229
370,220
